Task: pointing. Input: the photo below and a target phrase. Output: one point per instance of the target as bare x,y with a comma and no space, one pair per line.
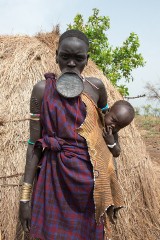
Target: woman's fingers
29,224
25,227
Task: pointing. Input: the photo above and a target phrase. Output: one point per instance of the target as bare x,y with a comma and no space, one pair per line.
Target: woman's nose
71,63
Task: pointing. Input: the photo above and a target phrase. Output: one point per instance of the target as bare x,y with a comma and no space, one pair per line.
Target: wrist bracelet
105,108
24,201
29,142
112,145
26,192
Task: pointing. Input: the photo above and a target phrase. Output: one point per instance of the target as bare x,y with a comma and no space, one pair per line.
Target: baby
119,116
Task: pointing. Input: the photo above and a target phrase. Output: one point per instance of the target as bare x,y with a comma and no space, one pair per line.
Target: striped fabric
62,204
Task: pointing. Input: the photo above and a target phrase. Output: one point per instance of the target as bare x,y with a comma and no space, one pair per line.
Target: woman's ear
56,56
87,60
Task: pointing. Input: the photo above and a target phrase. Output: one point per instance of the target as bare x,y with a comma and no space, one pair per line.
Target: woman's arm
103,98
32,157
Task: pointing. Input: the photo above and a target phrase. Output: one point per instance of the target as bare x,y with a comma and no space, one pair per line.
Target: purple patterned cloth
62,204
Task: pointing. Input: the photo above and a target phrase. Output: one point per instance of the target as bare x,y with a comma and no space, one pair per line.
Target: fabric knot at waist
57,144
53,143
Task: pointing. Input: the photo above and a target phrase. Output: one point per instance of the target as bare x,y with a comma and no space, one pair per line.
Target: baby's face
118,117
111,121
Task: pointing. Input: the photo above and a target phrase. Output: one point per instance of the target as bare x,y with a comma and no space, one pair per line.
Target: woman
73,190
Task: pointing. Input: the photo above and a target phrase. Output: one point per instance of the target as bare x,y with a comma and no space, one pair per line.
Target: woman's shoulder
40,85
96,81
38,90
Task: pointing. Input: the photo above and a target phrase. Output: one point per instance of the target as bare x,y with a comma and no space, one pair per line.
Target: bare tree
138,96
153,91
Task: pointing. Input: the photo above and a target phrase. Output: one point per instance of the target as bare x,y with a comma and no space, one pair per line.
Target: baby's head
120,115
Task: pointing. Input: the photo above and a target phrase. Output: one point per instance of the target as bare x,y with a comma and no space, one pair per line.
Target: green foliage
150,111
115,63
150,123
137,110
147,109
156,112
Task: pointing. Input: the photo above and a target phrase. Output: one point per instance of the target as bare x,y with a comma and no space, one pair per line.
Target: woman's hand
25,215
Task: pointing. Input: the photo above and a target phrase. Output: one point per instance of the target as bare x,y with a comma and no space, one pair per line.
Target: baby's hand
108,130
108,136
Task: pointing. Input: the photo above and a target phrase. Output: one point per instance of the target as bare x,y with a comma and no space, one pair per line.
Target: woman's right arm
32,157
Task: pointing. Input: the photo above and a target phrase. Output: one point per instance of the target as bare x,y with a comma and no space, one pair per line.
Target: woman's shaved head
74,33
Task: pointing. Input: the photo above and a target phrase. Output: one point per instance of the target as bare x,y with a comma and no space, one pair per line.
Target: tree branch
138,96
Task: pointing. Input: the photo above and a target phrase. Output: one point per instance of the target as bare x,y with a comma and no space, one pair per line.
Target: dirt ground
150,130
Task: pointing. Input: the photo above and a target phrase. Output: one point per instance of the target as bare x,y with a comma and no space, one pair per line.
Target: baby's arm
112,141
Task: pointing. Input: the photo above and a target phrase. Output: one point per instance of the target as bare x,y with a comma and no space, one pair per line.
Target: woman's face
72,55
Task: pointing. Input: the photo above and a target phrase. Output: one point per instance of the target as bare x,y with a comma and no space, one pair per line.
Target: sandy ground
150,131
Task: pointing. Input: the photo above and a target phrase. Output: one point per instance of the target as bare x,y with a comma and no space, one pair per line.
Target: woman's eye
79,59
64,56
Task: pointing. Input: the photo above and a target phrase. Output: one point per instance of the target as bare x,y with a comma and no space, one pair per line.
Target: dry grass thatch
23,61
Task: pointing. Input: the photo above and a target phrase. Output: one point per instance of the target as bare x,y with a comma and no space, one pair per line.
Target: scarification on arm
33,157
35,126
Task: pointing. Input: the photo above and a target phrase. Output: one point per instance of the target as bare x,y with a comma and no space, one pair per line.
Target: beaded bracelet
29,142
105,108
35,116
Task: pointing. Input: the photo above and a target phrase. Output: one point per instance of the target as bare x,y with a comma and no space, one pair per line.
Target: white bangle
24,201
111,146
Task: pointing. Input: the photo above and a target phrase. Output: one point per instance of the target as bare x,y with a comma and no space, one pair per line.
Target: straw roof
23,62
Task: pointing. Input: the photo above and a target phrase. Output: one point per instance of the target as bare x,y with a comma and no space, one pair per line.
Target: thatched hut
23,61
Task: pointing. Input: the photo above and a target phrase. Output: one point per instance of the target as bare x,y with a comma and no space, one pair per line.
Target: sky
126,16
